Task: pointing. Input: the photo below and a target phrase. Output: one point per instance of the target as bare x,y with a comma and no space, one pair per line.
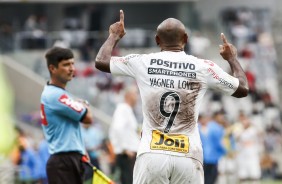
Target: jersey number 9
169,105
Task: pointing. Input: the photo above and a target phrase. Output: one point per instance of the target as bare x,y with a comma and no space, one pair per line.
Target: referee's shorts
65,168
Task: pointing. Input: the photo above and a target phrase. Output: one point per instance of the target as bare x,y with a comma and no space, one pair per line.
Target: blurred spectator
273,139
248,140
246,52
42,23
94,27
104,81
199,44
212,133
6,37
245,15
133,41
30,23
270,161
44,155
108,152
93,138
66,36
79,37
73,35
229,15
124,135
85,51
35,30
240,34
252,83
227,165
61,43
32,118
268,166
27,163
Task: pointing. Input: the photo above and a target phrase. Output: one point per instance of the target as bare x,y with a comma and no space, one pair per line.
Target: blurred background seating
249,25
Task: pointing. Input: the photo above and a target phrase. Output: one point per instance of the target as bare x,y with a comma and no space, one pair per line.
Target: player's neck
172,49
57,83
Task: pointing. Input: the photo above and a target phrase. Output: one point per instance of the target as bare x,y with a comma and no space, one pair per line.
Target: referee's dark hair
57,54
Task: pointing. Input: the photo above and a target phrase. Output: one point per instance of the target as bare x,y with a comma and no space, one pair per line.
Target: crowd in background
234,151
29,157
248,133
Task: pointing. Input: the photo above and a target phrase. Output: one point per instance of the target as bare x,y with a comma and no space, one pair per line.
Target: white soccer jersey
172,86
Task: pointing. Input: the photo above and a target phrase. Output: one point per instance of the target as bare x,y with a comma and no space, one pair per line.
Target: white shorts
156,168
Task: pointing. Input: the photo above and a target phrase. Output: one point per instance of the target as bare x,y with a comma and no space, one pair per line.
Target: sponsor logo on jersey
119,59
226,83
77,106
221,80
173,65
43,116
131,56
161,71
169,142
214,75
209,62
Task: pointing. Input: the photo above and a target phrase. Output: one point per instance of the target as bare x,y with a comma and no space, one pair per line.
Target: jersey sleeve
220,80
66,106
124,65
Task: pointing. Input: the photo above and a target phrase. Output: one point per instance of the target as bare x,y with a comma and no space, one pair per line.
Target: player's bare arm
229,53
116,32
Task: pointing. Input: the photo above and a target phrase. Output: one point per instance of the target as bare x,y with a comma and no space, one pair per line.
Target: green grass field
271,182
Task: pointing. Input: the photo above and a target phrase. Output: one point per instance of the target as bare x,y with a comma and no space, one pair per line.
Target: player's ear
185,38
51,68
157,39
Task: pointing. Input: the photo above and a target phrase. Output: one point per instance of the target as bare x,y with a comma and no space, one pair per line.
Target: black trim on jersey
83,116
48,84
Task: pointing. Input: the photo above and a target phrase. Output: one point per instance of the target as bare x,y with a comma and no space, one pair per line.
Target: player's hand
84,102
227,50
117,29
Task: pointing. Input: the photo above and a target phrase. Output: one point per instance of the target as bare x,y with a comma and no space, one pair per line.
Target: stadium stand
23,45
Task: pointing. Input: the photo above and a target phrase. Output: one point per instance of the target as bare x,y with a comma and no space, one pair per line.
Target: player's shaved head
171,32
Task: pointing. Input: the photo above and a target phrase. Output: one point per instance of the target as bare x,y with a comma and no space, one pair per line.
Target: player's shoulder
132,57
208,63
200,62
193,58
127,58
51,93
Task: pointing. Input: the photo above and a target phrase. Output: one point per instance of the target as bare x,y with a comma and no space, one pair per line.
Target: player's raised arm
116,32
229,53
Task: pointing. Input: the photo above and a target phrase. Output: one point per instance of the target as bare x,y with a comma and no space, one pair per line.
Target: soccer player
61,116
172,85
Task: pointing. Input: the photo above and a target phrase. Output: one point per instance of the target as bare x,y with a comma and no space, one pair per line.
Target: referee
61,116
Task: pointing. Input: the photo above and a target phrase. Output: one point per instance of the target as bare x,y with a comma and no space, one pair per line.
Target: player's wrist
232,59
114,37
86,103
